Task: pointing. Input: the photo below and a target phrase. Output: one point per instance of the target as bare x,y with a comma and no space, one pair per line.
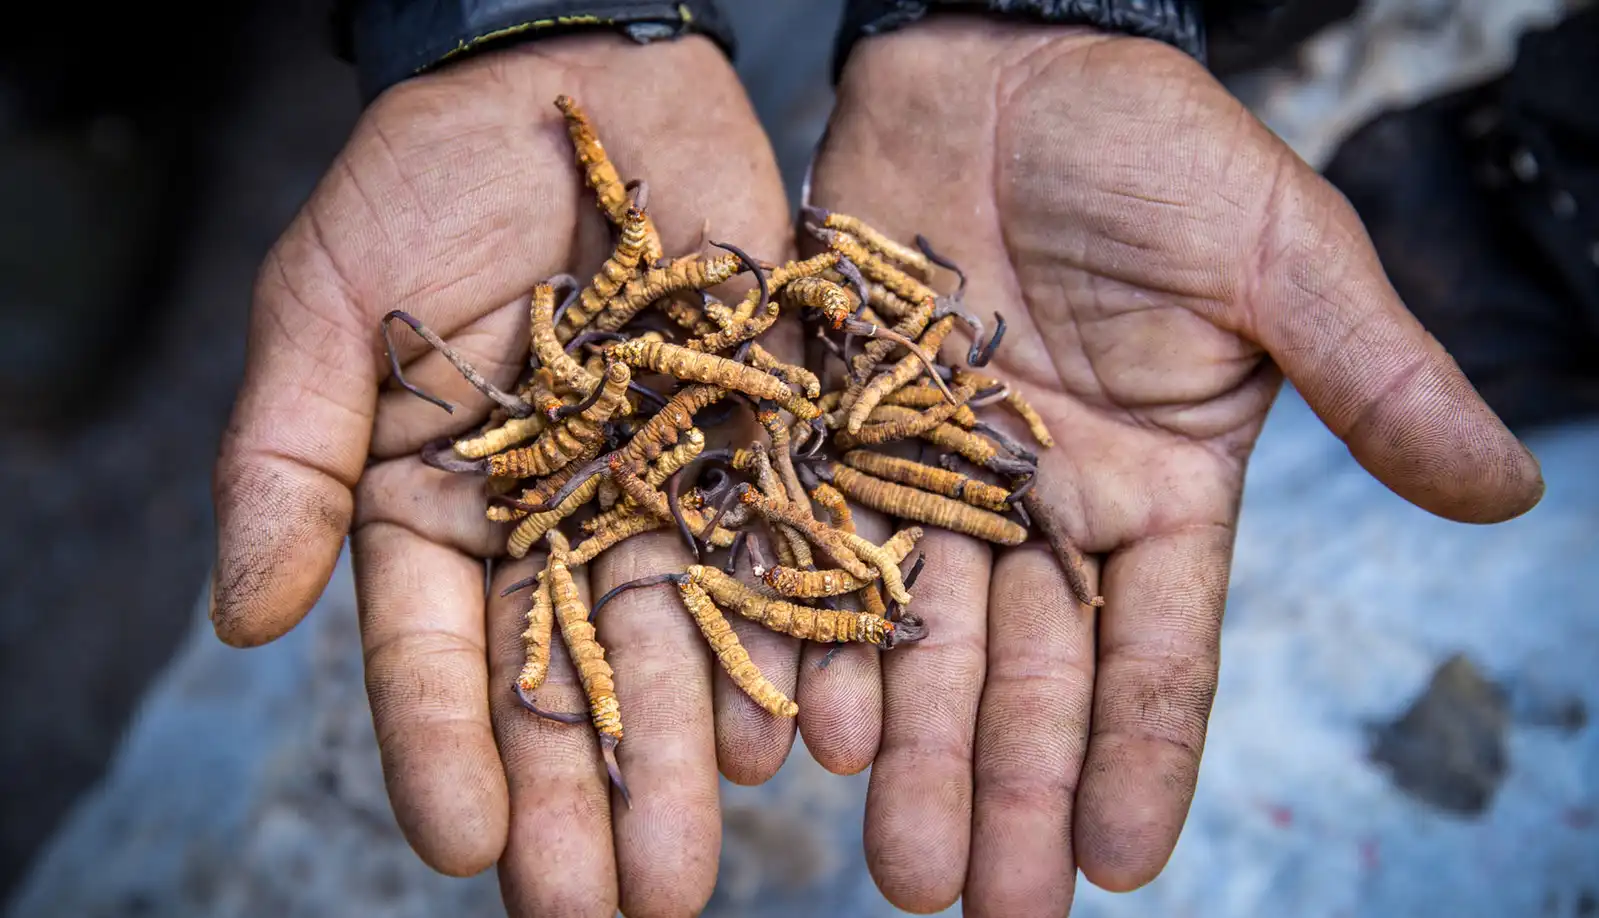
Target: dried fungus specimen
635,411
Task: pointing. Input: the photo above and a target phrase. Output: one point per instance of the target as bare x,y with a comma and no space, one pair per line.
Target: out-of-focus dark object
1484,206
102,109
1448,749
1245,34
1229,35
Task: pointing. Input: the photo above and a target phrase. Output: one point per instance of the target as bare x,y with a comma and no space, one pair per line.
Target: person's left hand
1159,255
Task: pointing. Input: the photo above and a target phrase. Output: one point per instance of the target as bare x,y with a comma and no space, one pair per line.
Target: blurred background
1402,724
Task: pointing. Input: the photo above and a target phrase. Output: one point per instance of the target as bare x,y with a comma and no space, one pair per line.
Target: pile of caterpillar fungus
625,422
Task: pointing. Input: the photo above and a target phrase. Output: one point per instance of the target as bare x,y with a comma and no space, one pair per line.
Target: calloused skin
1164,260
1163,244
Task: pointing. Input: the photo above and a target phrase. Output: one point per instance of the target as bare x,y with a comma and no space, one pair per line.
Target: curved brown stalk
937,259
516,406
560,717
648,580
868,330
439,454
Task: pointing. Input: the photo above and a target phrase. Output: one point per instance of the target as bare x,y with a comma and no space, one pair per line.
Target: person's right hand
456,194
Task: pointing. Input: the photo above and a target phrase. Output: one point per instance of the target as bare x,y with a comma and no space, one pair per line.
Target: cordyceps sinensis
713,625
609,191
617,270
801,584
694,366
555,592
925,507
945,482
696,273
834,304
870,237
899,375
565,442
633,414
853,553
551,355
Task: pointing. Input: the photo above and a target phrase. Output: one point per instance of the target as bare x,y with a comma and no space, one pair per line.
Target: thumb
1325,311
293,449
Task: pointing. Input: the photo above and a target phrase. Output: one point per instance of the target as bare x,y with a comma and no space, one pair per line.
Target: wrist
390,41
1179,23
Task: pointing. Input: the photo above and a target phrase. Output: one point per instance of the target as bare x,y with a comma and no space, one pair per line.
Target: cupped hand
455,195
1163,260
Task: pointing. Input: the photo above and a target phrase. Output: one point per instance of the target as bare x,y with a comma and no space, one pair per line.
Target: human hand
1159,255
456,194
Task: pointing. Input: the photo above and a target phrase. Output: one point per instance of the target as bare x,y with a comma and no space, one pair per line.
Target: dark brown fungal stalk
516,407
1066,550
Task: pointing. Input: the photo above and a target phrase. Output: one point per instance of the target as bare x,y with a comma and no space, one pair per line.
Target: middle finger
559,858
919,802
668,840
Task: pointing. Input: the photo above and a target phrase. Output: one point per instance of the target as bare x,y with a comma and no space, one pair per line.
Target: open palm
455,195
1163,259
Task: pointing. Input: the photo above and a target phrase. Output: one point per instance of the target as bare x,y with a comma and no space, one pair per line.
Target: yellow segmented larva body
926,507
613,274
762,359
880,243
588,657
737,333
908,368
690,316
536,637
891,304
1024,410
655,502
879,269
912,325
783,462
647,287
661,431
503,437
973,447
802,584
963,488
925,419
541,392
603,540
828,298
731,654
822,625
673,460
682,363
561,446
776,280
922,397
843,518
609,191
547,347
833,541
1031,417
535,525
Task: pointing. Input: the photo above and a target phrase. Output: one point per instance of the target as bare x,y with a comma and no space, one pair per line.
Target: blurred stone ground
247,785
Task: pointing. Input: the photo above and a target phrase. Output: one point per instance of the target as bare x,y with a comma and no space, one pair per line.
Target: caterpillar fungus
652,399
